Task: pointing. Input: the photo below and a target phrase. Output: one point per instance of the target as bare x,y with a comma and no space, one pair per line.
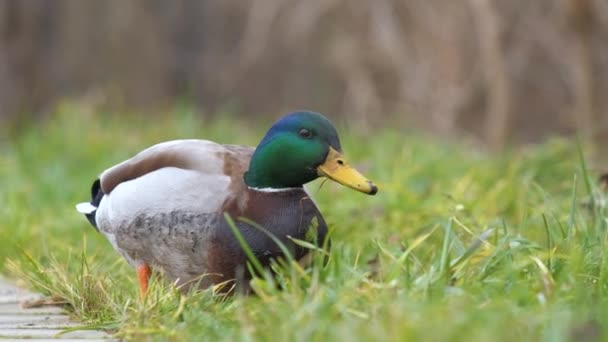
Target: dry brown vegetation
501,70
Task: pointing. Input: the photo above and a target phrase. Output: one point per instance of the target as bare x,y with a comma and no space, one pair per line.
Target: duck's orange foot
143,275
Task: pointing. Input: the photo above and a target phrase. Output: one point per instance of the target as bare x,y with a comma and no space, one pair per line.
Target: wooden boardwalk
38,324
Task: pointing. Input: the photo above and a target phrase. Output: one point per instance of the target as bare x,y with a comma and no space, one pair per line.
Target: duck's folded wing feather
203,156
185,180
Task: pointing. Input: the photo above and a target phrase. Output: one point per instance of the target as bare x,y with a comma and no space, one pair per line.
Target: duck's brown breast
283,214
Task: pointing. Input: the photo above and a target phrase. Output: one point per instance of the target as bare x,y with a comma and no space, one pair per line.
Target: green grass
407,264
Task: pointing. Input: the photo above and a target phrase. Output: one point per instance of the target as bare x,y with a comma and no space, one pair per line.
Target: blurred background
500,71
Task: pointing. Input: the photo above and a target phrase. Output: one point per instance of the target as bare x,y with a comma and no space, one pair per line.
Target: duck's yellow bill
337,169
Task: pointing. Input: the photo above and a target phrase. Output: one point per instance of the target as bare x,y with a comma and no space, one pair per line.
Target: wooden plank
42,323
16,309
52,333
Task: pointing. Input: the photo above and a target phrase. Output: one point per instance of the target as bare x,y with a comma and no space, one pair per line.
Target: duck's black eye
305,133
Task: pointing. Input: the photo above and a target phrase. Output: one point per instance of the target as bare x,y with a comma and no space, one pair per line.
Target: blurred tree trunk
580,13
26,32
494,71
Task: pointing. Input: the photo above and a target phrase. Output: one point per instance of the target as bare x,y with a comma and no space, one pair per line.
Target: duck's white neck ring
275,189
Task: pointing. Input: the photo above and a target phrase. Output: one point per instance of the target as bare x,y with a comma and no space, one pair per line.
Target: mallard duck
164,208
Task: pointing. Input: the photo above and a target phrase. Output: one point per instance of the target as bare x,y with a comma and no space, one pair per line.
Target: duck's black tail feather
90,209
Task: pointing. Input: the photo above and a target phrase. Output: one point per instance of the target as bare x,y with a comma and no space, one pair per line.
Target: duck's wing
203,156
168,177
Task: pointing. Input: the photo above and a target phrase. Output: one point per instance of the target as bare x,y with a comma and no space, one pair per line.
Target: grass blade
244,245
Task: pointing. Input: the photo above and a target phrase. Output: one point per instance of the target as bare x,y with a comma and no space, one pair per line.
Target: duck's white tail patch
85,208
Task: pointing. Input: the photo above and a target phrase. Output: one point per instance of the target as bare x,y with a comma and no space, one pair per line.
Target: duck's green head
299,148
